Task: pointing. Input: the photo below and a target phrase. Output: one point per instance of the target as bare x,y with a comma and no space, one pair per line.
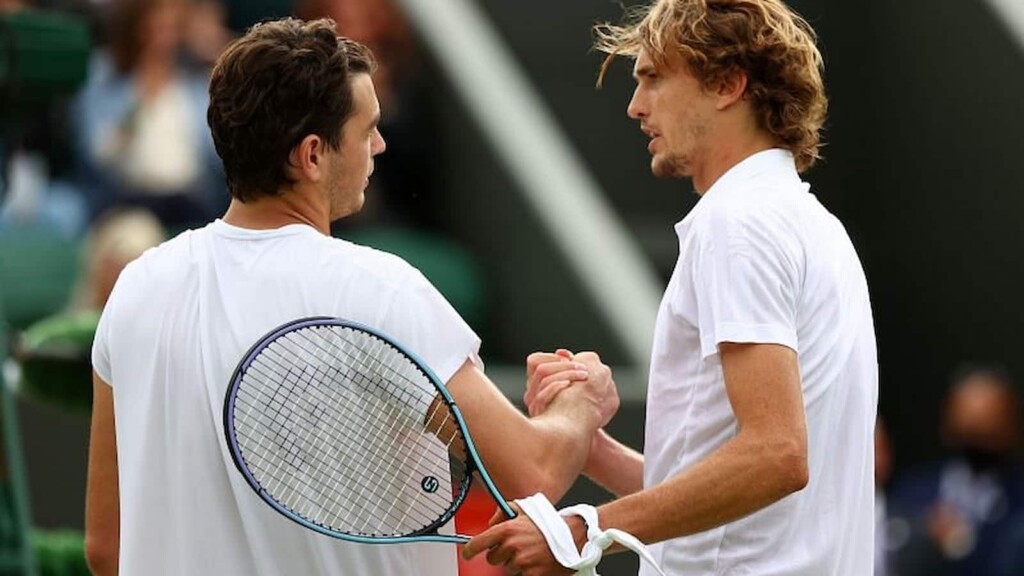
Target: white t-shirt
761,261
178,322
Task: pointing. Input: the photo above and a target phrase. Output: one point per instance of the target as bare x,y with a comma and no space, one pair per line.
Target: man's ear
731,89
305,161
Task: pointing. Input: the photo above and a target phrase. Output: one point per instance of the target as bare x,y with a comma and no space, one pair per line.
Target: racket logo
430,484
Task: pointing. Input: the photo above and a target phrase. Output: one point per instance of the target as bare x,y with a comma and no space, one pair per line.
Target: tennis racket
342,430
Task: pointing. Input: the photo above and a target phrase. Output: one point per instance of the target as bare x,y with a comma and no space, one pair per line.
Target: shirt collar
776,161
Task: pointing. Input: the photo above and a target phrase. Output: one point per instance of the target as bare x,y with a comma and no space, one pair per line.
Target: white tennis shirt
761,261
178,322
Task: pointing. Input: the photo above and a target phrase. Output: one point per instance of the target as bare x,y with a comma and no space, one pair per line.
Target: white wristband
556,532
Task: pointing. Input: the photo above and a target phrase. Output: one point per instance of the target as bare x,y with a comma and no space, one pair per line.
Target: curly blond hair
773,45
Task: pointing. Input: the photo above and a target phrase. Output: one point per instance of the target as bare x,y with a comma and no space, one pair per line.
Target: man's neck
725,157
267,212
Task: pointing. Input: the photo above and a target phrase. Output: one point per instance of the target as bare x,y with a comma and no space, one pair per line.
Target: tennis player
763,382
294,117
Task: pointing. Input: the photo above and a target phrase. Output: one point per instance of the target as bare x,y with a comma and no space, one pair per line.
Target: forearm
107,567
743,476
561,444
102,508
614,466
525,455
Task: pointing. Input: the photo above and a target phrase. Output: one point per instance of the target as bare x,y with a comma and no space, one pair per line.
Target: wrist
578,528
600,443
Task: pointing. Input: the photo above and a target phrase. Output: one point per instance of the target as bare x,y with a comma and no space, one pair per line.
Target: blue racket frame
473,462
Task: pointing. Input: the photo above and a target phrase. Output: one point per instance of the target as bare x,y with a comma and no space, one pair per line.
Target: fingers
490,537
549,374
499,556
499,514
484,541
537,358
546,395
540,365
519,546
599,387
590,359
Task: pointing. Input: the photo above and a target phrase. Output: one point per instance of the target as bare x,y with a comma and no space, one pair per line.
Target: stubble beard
678,165
670,167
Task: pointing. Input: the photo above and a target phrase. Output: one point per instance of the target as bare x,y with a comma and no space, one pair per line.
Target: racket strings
401,520
340,469
277,478
331,388
453,432
336,472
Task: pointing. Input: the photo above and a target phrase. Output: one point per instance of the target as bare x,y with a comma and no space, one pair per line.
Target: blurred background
525,195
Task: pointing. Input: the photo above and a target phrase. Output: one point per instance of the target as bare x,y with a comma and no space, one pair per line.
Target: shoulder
756,214
170,259
371,264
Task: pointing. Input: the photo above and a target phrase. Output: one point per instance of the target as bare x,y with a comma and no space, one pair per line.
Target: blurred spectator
116,238
141,119
31,195
959,510
381,25
35,155
404,187
206,32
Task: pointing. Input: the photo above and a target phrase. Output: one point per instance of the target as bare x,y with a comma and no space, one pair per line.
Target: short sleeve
422,320
746,280
101,345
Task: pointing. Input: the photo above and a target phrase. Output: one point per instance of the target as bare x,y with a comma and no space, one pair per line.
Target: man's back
177,324
761,261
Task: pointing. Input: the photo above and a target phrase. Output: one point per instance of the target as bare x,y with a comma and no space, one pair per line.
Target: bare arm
102,510
615,466
545,453
764,462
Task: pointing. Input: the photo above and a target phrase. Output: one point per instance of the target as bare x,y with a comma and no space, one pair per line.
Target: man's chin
668,169
350,210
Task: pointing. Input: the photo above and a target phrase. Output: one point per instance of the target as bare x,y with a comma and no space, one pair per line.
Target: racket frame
427,534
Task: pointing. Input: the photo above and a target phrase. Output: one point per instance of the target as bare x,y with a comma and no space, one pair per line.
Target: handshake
561,376
540,541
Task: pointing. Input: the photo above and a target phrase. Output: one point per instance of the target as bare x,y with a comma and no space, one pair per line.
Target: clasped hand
550,373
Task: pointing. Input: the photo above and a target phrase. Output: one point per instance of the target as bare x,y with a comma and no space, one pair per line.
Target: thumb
499,514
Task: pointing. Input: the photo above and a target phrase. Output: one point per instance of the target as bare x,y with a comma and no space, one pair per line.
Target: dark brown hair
773,45
124,29
281,82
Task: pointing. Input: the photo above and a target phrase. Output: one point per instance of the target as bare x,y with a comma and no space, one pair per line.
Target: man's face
981,416
350,167
674,111
162,29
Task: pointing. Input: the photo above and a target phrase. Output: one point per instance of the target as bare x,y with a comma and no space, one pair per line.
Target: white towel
560,540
